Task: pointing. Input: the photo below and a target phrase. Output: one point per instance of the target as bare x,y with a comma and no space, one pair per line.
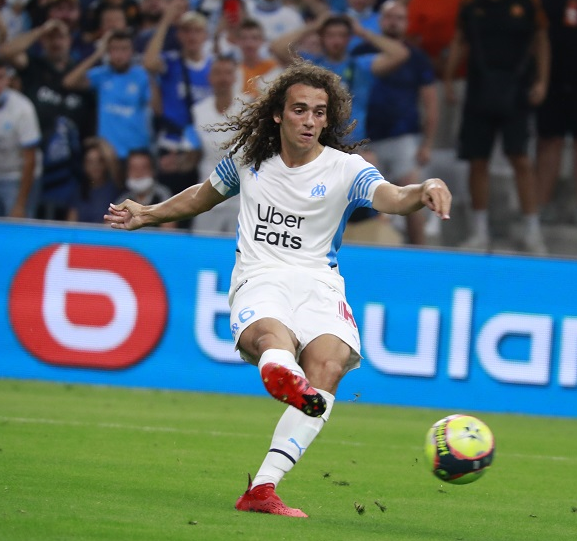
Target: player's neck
294,158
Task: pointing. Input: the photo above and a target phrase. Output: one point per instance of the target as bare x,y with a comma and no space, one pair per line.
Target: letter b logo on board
88,306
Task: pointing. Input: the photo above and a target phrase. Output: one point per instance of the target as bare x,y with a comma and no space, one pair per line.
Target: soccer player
289,315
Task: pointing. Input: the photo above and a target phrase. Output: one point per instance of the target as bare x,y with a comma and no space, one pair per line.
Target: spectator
151,15
216,13
255,71
183,75
209,113
112,18
364,12
92,19
98,186
503,38
276,18
141,184
183,81
15,17
69,12
20,162
557,115
400,139
123,92
65,116
357,72
431,26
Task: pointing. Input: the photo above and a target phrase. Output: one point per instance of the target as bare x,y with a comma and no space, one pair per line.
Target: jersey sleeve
225,178
365,180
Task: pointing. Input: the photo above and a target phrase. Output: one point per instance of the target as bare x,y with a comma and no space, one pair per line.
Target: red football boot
263,499
292,389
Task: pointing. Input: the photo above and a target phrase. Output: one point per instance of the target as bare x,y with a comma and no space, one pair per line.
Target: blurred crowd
102,100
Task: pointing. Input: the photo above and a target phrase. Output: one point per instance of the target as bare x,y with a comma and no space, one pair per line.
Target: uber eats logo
285,238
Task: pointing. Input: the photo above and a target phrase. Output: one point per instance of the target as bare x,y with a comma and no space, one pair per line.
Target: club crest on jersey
318,191
345,314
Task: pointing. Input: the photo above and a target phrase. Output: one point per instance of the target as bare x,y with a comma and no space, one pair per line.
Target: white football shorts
307,306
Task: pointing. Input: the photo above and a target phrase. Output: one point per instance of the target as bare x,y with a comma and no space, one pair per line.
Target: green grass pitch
101,463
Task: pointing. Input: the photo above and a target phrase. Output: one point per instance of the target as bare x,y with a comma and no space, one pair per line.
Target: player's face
302,121
393,20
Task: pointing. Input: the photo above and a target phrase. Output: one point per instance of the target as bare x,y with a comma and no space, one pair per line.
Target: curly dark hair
258,133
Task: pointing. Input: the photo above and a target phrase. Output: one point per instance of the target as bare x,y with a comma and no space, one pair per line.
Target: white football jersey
295,216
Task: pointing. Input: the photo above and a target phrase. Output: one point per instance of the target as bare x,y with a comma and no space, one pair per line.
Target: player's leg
322,314
325,360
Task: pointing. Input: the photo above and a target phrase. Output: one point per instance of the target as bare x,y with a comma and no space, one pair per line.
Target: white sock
532,225
294,434
481,223
283,357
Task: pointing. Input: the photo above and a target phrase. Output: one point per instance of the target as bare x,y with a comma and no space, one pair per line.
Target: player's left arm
433,193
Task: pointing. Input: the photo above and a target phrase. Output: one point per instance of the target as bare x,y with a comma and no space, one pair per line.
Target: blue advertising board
149,309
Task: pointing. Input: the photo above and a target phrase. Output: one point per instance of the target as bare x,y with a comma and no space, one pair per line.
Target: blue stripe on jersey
362,183
338,238
226,170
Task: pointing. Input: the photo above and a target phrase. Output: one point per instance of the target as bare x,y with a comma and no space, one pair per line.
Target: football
459,449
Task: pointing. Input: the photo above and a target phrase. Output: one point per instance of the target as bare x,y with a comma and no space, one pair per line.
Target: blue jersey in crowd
394,98
123,100
357,76
172,86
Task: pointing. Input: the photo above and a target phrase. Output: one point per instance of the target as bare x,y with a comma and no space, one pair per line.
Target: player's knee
325,373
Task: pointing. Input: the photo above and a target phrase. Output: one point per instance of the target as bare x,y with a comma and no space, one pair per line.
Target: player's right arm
194,200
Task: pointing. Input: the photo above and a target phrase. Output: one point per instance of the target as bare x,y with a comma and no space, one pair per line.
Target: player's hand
127,215
437,197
